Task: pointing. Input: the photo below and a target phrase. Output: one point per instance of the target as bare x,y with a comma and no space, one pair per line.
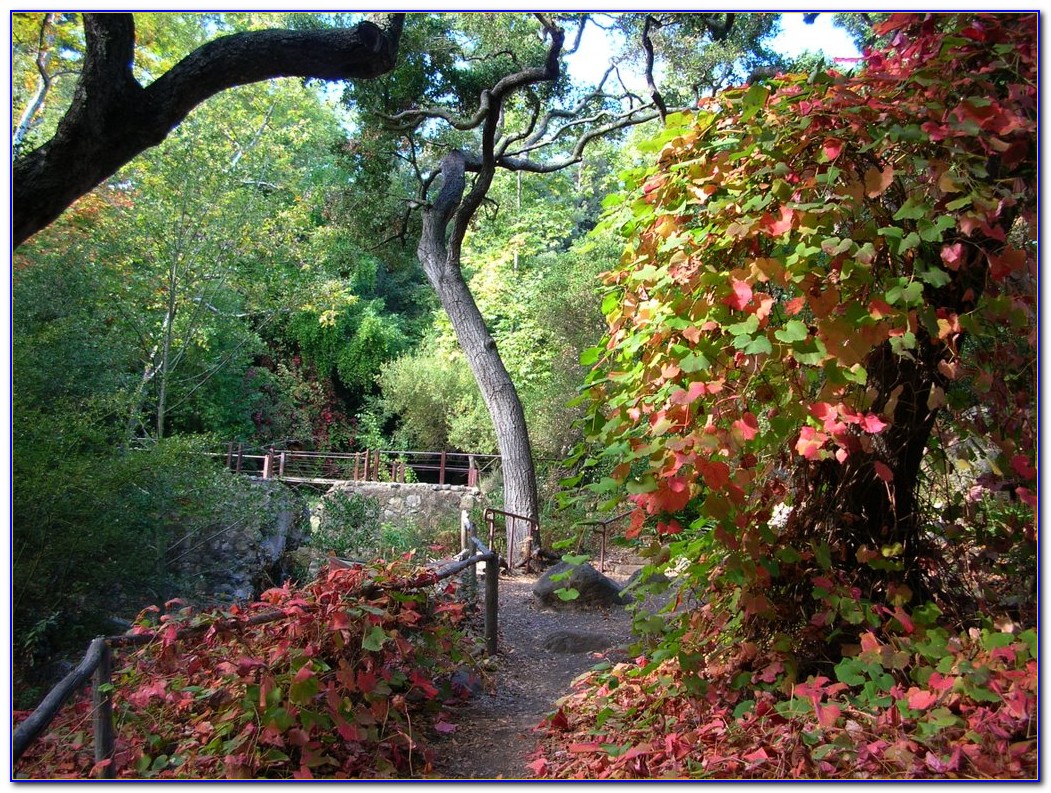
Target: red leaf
716,475
1026,495
832,148
757,756
823,412
99,766
1021,466
538,766
348,731
873,424
445,727
637,751
878,309
876,182
777,227
827,715
688,396
920,699
169,635
952,254
883,471
747,425
1011,260
742,294
340,620
583,748
904,619
940,683
671,527
559,720
810,443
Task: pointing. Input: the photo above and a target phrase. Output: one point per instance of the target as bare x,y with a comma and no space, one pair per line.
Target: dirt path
494,735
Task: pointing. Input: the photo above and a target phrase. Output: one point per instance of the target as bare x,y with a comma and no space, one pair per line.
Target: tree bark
113,118
441,263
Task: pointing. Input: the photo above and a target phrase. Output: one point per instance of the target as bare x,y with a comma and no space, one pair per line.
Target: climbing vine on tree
822,325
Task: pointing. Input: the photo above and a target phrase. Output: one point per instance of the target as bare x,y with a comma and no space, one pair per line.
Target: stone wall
244,549
428,506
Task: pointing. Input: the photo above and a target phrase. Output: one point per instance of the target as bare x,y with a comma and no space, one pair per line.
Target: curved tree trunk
441,263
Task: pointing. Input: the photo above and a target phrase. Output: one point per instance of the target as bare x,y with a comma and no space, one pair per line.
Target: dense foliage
817,390
348,681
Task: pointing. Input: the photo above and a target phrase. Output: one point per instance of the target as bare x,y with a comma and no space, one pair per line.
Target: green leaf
590,356
760,344
575,559
849,671
794,330
913,209
743,707
935,276
567,593
375,639
694,362
753,100
748,326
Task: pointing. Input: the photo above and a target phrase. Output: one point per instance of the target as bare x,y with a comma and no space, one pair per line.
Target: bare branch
518,163
647,44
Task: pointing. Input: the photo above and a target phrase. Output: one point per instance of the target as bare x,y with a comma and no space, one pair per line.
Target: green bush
348,525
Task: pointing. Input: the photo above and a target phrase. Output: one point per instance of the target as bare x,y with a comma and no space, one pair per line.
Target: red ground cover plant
348,683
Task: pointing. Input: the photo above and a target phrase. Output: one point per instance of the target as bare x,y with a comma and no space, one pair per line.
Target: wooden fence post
268,463
492,600
472,472
281,466
240,456
229,455
441,469
470,577
103,713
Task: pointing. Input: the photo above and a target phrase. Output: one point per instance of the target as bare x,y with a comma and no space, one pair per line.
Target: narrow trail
494,735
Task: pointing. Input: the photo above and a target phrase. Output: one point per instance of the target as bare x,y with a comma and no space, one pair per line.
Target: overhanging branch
112,117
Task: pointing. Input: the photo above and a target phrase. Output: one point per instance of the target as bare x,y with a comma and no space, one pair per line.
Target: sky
796,37
591,60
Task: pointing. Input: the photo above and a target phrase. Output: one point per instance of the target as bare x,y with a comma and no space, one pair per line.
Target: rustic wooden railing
367,466
97,663
601,527
517,529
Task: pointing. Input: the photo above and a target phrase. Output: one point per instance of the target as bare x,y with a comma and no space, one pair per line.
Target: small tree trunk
441,263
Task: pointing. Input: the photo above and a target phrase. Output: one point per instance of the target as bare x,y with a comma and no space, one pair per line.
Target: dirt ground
494,730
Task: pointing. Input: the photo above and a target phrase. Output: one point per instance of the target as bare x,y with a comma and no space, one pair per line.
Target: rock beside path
577,642
594,588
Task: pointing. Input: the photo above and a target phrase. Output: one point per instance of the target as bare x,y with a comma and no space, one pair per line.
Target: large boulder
595,589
